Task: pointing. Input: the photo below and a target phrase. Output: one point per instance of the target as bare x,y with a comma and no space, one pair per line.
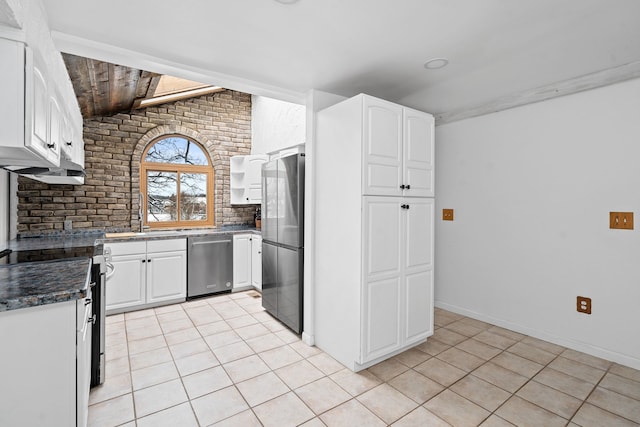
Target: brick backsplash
108,200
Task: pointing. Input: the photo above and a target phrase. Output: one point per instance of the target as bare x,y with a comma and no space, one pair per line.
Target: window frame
177,168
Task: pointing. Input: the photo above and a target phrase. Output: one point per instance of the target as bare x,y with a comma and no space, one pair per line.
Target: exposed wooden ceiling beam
123,82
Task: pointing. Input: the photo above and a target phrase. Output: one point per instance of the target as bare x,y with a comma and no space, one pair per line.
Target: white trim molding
578,84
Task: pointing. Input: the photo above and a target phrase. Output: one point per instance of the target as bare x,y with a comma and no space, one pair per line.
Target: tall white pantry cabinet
375,219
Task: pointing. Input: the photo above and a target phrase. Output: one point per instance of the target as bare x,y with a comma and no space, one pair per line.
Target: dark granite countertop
38,283
31,284
55,241
174,234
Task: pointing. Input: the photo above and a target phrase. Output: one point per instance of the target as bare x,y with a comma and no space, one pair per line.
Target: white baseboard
308,339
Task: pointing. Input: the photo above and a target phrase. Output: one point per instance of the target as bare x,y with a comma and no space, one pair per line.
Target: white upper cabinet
397,150
56,124
37,108
418,153
25,107
382,147
72,145
246,183
39,113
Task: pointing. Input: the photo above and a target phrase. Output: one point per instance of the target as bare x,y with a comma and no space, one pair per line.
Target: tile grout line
233,383
583,401
529,379
251,408
195,415
227,373
471,373
593,390
512,393
523,385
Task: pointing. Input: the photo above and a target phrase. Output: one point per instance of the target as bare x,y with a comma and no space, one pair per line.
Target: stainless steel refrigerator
283,239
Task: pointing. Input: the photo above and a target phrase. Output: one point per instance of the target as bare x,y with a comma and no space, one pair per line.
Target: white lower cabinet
84,324
247,261
146,273
166,276
241,261
398,264
385,284
46,365
256,262
126,286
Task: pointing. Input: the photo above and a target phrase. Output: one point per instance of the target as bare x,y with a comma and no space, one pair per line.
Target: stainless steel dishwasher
210,264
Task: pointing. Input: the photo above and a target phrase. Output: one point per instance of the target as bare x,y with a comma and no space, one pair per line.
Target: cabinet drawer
127,248
166,245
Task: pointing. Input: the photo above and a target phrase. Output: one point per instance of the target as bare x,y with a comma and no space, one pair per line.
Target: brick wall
108,200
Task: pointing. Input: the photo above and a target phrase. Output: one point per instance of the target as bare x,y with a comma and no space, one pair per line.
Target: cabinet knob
402,187
148,260
69,143
404,206
52,146
87,301
407,187
144,260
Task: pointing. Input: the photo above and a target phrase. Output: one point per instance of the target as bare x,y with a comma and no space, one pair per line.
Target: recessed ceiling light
287,1
435,63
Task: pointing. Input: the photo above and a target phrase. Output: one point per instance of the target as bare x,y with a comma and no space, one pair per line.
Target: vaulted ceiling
495,48
103,88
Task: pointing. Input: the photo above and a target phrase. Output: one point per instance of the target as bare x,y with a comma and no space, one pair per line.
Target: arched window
176,182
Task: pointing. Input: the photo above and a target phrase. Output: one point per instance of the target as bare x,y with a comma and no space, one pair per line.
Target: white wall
275,124
532,188
316,101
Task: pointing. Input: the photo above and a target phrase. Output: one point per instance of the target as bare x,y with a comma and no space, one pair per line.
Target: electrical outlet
621,220
447,214
583,305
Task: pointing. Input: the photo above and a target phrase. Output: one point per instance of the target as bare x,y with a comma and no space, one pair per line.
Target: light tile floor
223,361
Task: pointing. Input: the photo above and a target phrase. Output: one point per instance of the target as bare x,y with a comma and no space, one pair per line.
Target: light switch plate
621,220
